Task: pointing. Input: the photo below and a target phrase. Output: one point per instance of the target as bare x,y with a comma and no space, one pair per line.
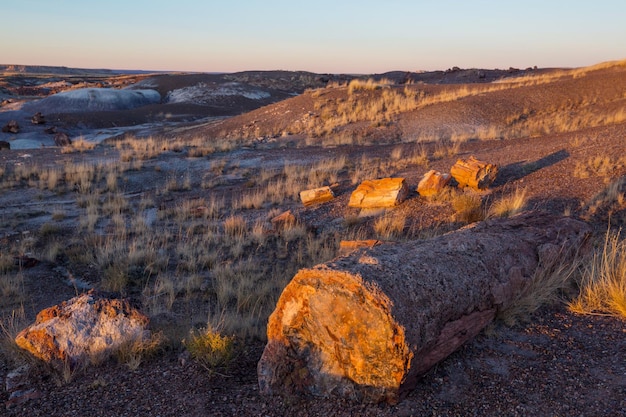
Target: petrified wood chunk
432,183
316,195
366,325
284,219
86,327
474,173
386,192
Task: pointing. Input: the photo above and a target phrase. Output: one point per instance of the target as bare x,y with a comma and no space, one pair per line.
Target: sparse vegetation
467,206
603,283
552,279
508,205
184,226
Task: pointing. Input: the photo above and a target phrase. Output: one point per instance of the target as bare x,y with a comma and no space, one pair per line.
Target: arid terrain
171,203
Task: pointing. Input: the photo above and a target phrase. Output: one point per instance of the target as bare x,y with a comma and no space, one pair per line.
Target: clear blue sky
321,36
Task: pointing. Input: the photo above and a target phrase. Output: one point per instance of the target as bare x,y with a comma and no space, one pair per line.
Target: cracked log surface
366,325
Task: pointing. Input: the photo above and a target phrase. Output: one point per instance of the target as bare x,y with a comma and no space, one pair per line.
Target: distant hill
51,70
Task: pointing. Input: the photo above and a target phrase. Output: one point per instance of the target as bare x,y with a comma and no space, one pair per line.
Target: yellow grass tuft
210,348
543,288
390,225
603,284
508,206
468,207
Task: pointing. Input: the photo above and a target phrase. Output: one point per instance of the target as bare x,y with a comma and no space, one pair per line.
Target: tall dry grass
603,283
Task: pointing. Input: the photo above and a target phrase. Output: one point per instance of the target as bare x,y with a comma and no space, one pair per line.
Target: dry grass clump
132,148
467,207
402,156
603,166
603,283
445,148
509,205
79,145
367,85
545,287
134,352
609,204
390,225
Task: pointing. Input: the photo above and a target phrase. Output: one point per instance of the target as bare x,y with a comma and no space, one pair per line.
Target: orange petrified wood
367,325
473,173
385,192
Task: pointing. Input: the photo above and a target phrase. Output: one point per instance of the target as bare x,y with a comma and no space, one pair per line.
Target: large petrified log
473,173
366,325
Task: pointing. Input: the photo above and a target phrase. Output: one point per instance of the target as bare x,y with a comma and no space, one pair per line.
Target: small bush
210,348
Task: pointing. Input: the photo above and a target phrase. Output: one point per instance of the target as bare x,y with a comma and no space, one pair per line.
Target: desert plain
169,191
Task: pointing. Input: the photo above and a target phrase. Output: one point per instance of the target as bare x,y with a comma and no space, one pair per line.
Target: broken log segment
432,183
473,173
316,195
385,192
366,325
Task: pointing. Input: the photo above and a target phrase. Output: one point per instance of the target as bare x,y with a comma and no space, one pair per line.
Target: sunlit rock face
86,328
93,99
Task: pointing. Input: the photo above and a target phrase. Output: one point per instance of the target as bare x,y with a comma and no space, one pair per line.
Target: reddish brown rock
316,196
38,119
62,139
85,327
11,127
432,183
285,218
367,325
386,192
473,173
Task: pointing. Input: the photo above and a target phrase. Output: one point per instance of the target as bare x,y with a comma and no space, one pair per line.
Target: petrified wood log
366,325
474,173
316,195
385,192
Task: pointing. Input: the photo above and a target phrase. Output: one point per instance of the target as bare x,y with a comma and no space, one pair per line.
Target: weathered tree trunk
366,325
474,173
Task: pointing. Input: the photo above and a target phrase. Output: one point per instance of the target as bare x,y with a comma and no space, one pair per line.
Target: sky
323,36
